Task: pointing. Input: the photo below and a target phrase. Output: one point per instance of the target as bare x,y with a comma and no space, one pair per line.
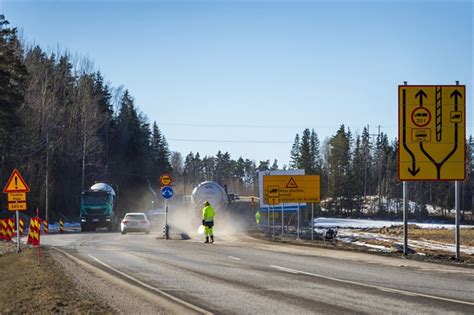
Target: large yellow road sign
291,188
431,131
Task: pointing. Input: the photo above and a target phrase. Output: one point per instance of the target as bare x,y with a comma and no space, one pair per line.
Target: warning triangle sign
291,183
16,183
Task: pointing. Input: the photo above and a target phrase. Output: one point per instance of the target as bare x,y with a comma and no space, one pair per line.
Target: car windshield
135,217
93,199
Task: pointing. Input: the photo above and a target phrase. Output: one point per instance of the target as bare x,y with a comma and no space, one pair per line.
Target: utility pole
47,178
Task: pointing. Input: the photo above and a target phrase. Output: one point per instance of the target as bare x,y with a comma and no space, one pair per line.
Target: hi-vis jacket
208,213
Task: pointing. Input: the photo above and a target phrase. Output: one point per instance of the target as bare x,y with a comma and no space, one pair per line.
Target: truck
98,208
212,192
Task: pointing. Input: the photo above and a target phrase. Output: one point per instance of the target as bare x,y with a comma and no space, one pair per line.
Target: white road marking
198,309
234,258
409,293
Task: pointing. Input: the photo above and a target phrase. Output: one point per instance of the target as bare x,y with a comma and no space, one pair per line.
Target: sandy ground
42,286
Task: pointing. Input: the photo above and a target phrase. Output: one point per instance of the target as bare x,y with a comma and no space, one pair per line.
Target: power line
258,126
230,141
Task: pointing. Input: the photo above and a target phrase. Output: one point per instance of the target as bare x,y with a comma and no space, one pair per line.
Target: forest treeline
65,128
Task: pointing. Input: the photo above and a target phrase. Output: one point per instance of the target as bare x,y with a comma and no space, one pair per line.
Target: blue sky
250,75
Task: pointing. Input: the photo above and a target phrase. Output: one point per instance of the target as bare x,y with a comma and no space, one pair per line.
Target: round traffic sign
421,116
167,192
165,180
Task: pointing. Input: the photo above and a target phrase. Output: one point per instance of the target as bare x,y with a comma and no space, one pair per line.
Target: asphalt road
243,275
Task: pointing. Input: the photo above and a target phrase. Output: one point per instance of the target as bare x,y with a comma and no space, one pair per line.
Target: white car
135,222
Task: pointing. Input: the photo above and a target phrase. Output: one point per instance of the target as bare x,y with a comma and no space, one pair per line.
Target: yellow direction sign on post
16,183
291,188
431,131
16,206
15,197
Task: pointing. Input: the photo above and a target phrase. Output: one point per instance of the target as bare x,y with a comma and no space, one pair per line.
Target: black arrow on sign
420,95
456,94
413,170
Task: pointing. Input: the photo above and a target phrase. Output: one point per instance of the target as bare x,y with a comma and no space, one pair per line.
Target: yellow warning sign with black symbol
431,132
291,188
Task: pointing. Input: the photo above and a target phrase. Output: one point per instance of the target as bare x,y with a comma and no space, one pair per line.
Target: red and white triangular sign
16,183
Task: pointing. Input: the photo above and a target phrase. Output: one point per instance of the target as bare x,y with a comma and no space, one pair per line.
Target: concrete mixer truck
212,192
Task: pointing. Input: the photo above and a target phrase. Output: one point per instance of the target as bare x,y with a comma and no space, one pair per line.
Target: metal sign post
18,249
458,219
298,226
268,220
312,221
273,218
167,236
167,193
282,219
405,219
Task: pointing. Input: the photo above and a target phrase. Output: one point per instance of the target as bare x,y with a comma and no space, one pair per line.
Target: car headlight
83,220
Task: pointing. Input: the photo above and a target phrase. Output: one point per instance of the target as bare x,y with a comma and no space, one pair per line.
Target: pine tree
316,159
305,154
160,154
295,154
12,86
274,165
339,169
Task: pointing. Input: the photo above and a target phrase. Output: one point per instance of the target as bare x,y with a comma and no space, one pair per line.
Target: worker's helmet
206,203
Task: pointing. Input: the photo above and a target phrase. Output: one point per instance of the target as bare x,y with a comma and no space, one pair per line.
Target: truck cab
98,208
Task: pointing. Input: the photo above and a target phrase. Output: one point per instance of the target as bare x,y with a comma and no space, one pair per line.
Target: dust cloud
184,220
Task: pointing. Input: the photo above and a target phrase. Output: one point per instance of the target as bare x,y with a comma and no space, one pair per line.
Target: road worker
208,214
257,217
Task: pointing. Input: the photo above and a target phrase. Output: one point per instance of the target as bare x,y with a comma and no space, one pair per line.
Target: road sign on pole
165,180
167,192
16,183
431,130
291,188
16,206
16,197
16,188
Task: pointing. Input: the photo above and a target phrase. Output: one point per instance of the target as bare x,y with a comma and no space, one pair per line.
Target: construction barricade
34,231
3,229
45,227
10,229
22,226
61,226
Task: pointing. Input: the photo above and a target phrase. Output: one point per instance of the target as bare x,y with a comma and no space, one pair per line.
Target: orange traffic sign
291,188
16,206
16,183
432,132
15,197
165,180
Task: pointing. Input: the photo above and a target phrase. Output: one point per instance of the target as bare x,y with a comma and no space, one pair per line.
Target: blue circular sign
167,192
